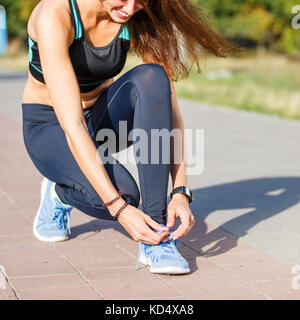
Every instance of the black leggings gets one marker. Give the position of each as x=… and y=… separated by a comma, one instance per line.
x=142, y=98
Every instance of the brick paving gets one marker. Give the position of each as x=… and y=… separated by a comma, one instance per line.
x=98, y=262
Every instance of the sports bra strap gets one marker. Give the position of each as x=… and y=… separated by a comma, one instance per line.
x=76, y=19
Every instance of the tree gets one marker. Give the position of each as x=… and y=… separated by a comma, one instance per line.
x=266, y=22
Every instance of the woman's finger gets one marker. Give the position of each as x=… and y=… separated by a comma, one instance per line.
x=155, y=225
x=182, y=229
x=171, y=218
x=153, y=237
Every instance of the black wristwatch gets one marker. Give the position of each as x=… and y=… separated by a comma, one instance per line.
x=186, y=191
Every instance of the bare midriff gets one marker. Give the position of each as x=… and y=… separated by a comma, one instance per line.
x=37, y=92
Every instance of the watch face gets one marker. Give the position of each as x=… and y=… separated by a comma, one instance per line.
x=185, y=190
x=190, y=193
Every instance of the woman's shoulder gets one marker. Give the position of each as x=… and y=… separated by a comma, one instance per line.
x=57, y=11
x=53, y=4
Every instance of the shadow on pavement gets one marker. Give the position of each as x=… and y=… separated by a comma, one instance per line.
x=264, y=198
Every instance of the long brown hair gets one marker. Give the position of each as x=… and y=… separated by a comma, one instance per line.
x=174, y=33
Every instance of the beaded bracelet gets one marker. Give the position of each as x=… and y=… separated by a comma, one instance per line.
x=120, y=193
x=120, y=210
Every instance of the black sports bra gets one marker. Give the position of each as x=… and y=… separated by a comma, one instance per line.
x=92, y=65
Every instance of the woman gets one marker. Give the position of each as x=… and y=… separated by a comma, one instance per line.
x=76, y=47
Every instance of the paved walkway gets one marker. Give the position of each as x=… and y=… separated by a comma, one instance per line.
x=244, y=245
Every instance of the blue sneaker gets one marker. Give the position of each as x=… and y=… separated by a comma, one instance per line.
x=163, y=258
x=53, y=216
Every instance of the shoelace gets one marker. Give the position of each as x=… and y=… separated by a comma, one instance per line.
x=166, y=247
x=60, y=217
x=163, y=247
x=67, y=214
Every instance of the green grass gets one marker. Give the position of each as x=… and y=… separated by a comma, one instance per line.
x=267, y=83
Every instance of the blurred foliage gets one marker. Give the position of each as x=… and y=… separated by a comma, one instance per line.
x=264, y=22
x=18, y=13
x=259, y=22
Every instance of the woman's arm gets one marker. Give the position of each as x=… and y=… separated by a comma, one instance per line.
x=179, y=204
x=177, y=170
x=53, y=30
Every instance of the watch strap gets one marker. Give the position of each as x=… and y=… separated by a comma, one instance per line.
x=184, y=190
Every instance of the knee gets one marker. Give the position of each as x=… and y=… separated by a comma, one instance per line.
x=151, y=76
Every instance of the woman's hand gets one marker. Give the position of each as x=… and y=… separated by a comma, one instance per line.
x=179, y=207
x=138, y=224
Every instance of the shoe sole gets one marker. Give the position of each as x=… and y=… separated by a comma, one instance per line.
x=34, y=229
x=166, y=270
